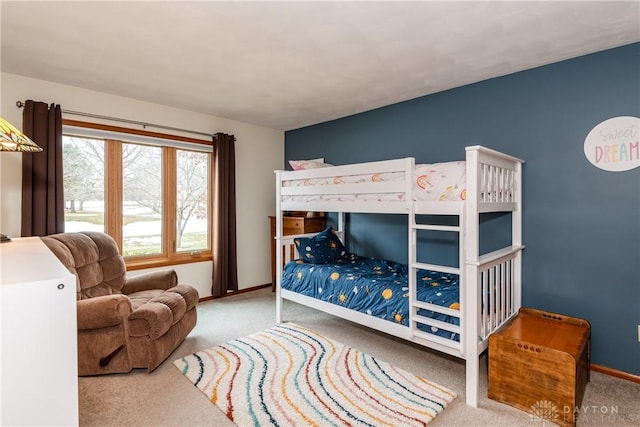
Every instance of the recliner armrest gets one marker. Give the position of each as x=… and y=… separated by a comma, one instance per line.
x=103, y=311
x=163, y=279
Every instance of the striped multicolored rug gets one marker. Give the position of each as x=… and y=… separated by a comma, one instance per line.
x=291, y=376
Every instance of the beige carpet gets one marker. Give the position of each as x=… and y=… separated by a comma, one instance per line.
x=166, y=398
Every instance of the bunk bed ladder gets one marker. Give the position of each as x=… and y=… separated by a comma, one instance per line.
x=415, y=318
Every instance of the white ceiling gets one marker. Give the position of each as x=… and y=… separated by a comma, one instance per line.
x=286, y=65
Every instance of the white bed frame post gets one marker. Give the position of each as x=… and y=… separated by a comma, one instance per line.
x=412, y=239
x=516, y=236
x=471, y=317
x=278, y=238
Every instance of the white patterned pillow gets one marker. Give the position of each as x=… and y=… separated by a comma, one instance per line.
x=308, y=164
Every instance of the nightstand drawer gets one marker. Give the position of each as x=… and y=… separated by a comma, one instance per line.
x=292, y=226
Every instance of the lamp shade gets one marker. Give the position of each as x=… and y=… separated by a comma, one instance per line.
x=11, y=139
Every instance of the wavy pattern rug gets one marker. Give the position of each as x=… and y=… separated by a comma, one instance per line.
x=291, y=376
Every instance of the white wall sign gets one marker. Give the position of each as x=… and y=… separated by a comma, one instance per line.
x=613, y=144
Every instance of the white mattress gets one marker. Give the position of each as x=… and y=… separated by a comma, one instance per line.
x=431, y=182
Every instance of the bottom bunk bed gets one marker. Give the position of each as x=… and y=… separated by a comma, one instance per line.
x=376, y=288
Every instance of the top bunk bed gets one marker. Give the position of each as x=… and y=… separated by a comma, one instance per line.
x=486, y=178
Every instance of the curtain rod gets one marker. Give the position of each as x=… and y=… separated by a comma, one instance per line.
x=144, y=125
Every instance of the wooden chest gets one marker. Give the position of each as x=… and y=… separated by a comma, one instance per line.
x=539, y=363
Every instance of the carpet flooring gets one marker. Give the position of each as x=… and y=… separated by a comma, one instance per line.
x=165, y=398
x=289, y=375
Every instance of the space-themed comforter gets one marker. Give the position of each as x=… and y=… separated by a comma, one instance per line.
x=376, y=287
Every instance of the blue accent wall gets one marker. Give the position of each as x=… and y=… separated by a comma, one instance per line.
x=581, y=223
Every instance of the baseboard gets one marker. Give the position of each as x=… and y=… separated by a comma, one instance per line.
x=241, y=291
x=615, y=373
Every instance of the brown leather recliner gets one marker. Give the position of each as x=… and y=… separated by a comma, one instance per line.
x=123, y=322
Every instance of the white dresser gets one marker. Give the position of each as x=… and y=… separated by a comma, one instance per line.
x=39, y=368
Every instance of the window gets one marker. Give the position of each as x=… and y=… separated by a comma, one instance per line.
x=83, y=166
x=151, y=194
x=192, y=211
x=141, y=200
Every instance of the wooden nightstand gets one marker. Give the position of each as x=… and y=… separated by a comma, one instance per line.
x=293, y=225
x=539, y=363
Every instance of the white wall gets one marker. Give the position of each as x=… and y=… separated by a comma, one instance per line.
x=259, y=151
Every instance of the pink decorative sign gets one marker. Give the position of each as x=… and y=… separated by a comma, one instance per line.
x=613, y=144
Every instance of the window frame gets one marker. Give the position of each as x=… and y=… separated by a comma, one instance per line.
x=113, y=220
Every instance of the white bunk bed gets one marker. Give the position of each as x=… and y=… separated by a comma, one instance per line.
x=490, y=284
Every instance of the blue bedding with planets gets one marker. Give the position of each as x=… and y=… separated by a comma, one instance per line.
x=376, y=287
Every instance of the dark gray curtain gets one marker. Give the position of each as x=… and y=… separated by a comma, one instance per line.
x=42, y=186
x=225, y=263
